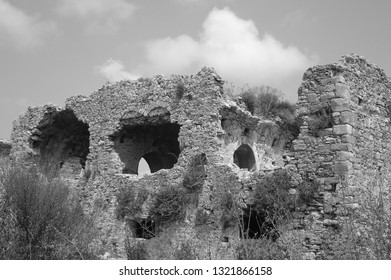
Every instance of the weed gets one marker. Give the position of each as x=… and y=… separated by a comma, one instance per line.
x=40, y=220
x=319, y=121
x=195, y=176
x=169, y=204
x=201, y=217
x=136, y=251
x=128, y=202
x=180, y=90
x=185, y=251
x=307, y=190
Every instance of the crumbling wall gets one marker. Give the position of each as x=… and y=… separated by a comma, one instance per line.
x=96, y=142
x=344, y=135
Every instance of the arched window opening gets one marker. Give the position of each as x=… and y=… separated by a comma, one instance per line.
x=244, y=157
x=147, y=148
x=160, y=160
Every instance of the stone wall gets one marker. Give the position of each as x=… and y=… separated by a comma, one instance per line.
x=96, y=143
x=345, y=108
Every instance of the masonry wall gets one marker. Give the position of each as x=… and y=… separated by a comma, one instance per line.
x=96, y=142
x=344, y=137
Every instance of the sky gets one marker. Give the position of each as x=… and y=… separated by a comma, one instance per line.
x=53, y=49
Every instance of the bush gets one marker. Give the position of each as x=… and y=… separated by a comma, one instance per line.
x=365, y=232
x=128, y=202
x=185, y=251
x=265, y=101
x=137, y=251
x=39, y=219
x=195, y=176
x=229, y=216
x=320, y=120
x=180, y=90
x=272, y=199
x=169, y=204
x=201, y=217
x=261, y=249
x=308, y=190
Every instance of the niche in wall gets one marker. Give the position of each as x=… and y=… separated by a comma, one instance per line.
x=244, y=157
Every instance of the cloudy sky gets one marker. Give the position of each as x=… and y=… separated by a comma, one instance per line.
x=53, y=49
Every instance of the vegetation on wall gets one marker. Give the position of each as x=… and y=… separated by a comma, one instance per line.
x=129, y=202
x=266, y=102
x=169, y=204
x=194, y=178
x=320, y=120
x=365, y=229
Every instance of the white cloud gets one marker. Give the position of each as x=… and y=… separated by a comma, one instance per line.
x=98, y=12
x=232, y=46
x=24, y=30
x=114, y=71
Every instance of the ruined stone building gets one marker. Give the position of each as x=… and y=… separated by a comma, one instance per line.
x=96, y=143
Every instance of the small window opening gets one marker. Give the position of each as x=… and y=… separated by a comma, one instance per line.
x=333, y=187
x=145, y=228
x=244, y=157
x=225, y=239
x=275, y=142
x=246, y=132
x=254, y=225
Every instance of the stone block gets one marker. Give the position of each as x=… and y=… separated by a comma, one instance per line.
x=312, y=97
x=342, y=90
x=327, y=96
x=332, y=80
x=343, y=167
x=342, y=129
x=348, y=117
x=344, y=155
x=340, y=104
x=341, y=147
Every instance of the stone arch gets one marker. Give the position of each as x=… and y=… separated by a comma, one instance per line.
x=159, y=115
x=62, y=142
x=244, y=157
x=157, y=143
x=160, y=160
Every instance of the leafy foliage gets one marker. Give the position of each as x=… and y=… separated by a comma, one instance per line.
x=320, y=120
x=272, y=199
x=307, y=190
x=180, y=90
x=40, y=220
x=195, y=176
x=365, y=231
x=261, y=249
x=265, y=101
x=185, y=251
x=169, y=204
x=128, y=202
x=136, y=251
